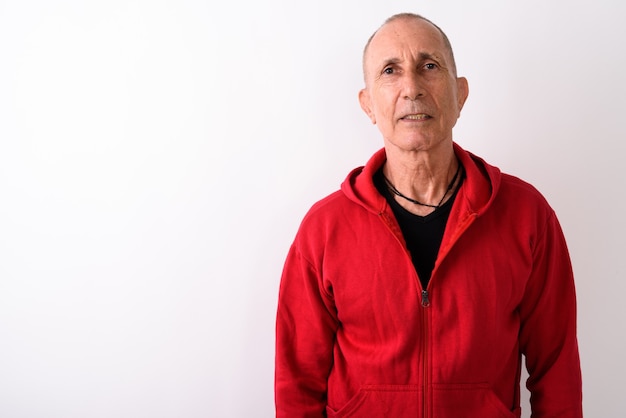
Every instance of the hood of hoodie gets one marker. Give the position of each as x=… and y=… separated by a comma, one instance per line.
x=477, y=193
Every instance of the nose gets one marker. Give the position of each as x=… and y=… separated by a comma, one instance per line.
x=412, y=86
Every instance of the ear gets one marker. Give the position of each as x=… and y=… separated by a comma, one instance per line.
x=366, y=104
x=462, y=91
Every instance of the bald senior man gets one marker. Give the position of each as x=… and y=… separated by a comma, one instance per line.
x=415, y=289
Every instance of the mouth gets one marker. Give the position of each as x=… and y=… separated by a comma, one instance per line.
x=416, y=116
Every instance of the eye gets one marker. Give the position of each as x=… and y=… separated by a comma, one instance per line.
x=430, y=66
x=388, y=70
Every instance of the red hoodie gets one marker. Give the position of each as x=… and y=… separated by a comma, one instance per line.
x=357, y=336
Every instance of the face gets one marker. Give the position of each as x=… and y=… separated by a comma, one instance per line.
x=411, y=92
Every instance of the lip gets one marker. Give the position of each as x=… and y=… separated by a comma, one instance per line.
x=416, y=117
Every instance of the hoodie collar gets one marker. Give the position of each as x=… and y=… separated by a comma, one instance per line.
x=479, y=187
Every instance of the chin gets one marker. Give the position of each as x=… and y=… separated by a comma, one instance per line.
x=412, y=144
x=416, y=143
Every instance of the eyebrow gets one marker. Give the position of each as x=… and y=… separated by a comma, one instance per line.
x=389, y=61
x=423, y=56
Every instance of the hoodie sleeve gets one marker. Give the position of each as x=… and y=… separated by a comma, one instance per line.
x=548, y=329
x=305, y=333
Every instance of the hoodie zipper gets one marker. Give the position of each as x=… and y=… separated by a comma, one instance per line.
x=425, y=334
x=425, y=304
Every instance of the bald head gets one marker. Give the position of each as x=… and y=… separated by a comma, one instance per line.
x=409, y=17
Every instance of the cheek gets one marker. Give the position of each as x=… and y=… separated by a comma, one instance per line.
x=453, y=104
x=384, y=105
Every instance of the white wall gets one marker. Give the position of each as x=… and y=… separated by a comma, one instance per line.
x=156, y=158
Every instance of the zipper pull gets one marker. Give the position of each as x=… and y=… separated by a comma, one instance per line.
x=425, y=300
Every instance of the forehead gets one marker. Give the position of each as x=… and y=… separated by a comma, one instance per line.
x=405, y=37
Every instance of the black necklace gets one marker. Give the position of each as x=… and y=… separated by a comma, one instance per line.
x=417, y=202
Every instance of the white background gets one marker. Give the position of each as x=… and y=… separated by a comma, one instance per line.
x=156, y=158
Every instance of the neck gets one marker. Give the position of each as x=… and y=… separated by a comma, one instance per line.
x=425, y=177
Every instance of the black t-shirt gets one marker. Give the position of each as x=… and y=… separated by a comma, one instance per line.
x=423, y=234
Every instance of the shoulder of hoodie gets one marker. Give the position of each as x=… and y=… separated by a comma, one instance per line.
x=328, y=207
x=523, y=194
x=509, y=193
x=320, y=222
